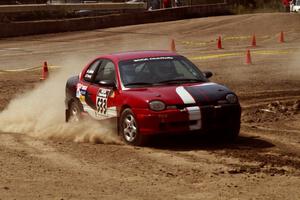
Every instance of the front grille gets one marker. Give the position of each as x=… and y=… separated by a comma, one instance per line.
x=164, y=125
x=212, y=117
x=223, y=116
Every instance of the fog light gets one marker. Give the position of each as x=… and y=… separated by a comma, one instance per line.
x=231, y=98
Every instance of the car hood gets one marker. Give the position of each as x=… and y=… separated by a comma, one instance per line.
x=202, y=94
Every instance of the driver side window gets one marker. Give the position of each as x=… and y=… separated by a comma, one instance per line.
x=184, y=71
x=106, y=71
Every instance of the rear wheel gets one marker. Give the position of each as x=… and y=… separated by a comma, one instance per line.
x=129, y=129
x=74, y=112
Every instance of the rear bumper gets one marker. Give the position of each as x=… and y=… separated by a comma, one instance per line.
x=202, y=119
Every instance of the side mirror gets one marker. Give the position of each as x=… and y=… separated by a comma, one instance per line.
x=207, y=74
x=108, y=83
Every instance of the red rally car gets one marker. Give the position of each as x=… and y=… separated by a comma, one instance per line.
x=152, y=92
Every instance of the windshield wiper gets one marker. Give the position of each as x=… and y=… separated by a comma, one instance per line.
x=138, y=83
x=182, y=80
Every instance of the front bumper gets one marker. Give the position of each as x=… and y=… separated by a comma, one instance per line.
x=194, y=118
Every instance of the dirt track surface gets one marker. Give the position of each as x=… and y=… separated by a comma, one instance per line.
x=264, y=162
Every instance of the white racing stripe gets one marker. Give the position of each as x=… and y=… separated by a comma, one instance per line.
x=194, y=112
x=185, y=95
x=205, y=84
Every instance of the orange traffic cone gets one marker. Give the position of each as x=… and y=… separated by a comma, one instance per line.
x=281, y=37
x=248, y=57
x=45, y=71
x=253, y=44
x=172, y=45
x=219, y=44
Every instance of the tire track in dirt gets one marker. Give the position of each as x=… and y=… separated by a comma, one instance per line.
x=39, y=149
x=285, y=139
x=278, y=137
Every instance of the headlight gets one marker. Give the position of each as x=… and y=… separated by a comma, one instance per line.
x=231, y=98
x=157, y=105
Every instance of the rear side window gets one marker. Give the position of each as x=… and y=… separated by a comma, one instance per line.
x=90, y=73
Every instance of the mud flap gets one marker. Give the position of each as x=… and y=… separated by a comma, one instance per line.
x=67, y=115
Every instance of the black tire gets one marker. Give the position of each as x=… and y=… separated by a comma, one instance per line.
x=129, y=129
x=74, y=112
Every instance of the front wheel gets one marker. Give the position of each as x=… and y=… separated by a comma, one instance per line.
x=129, y=129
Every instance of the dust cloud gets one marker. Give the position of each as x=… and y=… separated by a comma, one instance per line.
x=41, y=113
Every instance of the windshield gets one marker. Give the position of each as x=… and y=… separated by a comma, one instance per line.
x=159, y=70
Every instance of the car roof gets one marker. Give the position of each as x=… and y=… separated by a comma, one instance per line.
x=129, y=55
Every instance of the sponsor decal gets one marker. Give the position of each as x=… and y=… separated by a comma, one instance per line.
x=154, y=58
x=88, y=76
x=102, y=109
x=78, y=90
x=89, y=73
x=81, y=92
x=101, y=101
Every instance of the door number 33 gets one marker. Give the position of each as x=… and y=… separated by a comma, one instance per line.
x=101, y=102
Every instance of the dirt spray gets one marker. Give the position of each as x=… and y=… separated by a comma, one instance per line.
x=41, y=113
